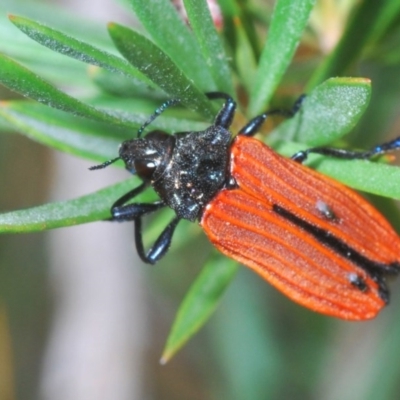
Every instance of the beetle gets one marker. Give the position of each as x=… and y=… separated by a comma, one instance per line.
x=314, y=239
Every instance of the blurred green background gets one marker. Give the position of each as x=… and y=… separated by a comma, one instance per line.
x=82, y=318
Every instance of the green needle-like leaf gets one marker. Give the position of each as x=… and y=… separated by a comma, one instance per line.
x=92, y=207
x=21, y=80
x=171, y=35
x=67, y=45
x=199, y=303
x=210, y=43
x=61, y=131
x=50, y=65
x=245, y=60
x=287, y=25
x=329, y=112
x=83, y=138
x=156, y=65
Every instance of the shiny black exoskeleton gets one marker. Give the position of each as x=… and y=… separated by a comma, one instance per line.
x=189, y=168
x=186, y=169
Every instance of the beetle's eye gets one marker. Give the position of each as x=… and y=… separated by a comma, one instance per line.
x=145, y=168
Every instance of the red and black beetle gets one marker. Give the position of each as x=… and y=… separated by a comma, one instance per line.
x=314, y=239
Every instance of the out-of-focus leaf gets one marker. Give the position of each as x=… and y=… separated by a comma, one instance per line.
x=245, y=61
x=171, y=35
x=199, y=303
x=210, y=44
x=124, y=88
x=374, y=17
x=287, y=25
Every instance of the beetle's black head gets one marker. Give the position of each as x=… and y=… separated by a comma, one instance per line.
x=149, y=156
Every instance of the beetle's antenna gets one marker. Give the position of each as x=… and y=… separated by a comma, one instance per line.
x=156, y=113
x=105, y=164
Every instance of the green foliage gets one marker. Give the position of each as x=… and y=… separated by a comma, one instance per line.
x=200, y=302
x=287, y=25
x=147, y=57
x=170, y=60
x=88, y=208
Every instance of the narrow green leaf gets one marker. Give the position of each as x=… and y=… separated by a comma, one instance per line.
x=370, y=177
x=124, y=88
x=374, y=383
x=210, y=43
x=56, y=68
x=93, y=207
x=169, y=32
x=288, y=22
x=138, y=110
x=61, y=131
x=244, y=333
x=373, y=17
x=247, y=21
x=199, y=303
x=329, y=112
x=245, y=61
x=367, y=176
x=154, y=63
x=389, y=14
x=68, y=20
x=240, y=28
x=78, y=136
x=230, y=8
x=21, y=80
x=69, y=46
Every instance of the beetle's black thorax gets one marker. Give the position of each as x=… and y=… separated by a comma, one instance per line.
x=186, y=169
x=196, y=171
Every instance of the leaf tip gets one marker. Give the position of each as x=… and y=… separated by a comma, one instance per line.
x=166, y=356
x=17, y=20
x=93, y=70
x=172, y=346
x=349, y=80
x=365, y=81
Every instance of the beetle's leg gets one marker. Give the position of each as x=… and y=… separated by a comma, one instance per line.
x=225, y=117
x=135, y=212
x=394, y=144
x=128, y=196
x=253, y=126
x=161, y=245
x=131, y=212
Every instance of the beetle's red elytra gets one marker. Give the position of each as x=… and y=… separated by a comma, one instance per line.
x=314, y=239
x=245, y=224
